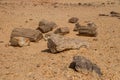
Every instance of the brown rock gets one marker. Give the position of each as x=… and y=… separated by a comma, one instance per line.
x=57, y=43
x=46, y=26
x=62, y=30
x=73, y=20
x=33, y=35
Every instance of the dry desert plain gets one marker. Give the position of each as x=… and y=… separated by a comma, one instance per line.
x=33, y=63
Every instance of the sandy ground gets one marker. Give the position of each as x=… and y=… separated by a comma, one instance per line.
x=32, y=63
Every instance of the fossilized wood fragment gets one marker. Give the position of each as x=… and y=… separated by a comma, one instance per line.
x=86, y=30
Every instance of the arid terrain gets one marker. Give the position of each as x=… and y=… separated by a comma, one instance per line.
x=33, y=63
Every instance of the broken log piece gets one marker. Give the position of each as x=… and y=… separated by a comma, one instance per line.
x=58, y=43
x=81, y=64
x=19, y=41
x=33, y=35
x=46, y=26
x=62, y=30
x=88, y=31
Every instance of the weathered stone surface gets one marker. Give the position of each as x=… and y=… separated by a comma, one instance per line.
x=46, y=26
x=88, y=29
x=33, y=35
x=57, y=43
x=62, y=30
x=73, y=20
x=81, y=64
x=19, y=41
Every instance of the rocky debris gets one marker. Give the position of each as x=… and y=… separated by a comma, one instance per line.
x=89, y=29
x=111, y=14
x=62, y=30
x=58, y=43
x=81, y=64
x=19, y=41
x=114, y=14
x=73, y=20
x=33, y=35
x=46, y=26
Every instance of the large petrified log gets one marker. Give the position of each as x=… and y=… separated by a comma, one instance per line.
x=57, y=43
x=81, y=64
x=33, y=35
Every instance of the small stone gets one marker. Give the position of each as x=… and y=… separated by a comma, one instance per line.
x=38, y=65
x=73, y=20
x=26, y=21
x=79, y=4
x=46, y=26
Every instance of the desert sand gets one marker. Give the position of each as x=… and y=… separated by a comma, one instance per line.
x=34, y=63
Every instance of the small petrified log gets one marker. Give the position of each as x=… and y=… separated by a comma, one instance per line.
x=88, y=31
